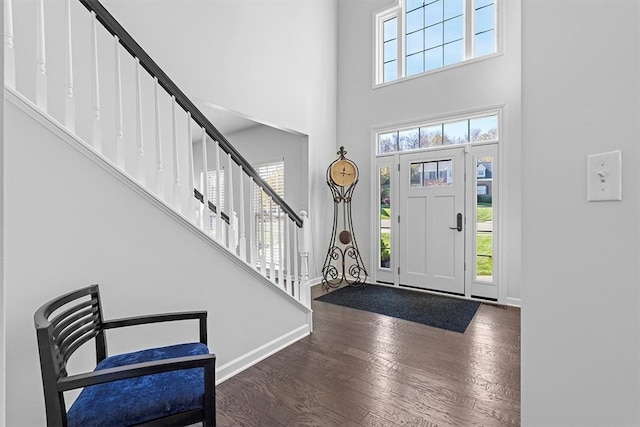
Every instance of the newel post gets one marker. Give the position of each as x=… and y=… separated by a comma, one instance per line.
x=304, y=238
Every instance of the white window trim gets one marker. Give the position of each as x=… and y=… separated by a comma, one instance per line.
x=378, y=46
x=446, y=118
x=397, y=11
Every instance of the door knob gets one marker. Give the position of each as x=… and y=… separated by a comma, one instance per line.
x=458, y=223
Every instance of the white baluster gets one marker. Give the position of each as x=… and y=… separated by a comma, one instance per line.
x=140, y=167
x=263, y=236
x=305, y=242
x=119, y=143
x=287, y=246
x=159, y=184
x=69, y=103
x=206, y=213
x=219, y=222
x=280, y=253
x=177, y=200
x=41, y=61
x=9, y=51
x=190, y=202
x=230, y=206
x=272, y=264
x=253, y=219
x=296, y=280
x=243, y=237
x=235, y=229
x=96, y=135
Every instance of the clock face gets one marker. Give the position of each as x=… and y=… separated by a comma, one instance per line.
x=343, y=173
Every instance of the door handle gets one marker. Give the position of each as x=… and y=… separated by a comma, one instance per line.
x=458, y=223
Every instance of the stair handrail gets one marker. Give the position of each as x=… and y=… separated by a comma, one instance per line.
x=126, y=40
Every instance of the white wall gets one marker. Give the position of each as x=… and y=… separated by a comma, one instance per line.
x=2, y=304
x=580, y=315
x=488, y=83
x=69, y=223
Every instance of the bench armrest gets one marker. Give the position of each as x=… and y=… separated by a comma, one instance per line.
x=201, y=316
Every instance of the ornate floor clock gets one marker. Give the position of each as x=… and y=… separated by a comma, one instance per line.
x=343, y=263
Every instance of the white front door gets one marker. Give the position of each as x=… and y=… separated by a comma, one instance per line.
x=432, y=222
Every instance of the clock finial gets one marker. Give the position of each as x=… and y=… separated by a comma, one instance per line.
x=342, y=152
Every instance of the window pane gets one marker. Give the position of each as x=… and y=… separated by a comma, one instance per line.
x=415, y=64
x=388, y=142
x=431, y=136
x=385, y=245
x=273, y=174
x=483, y=3
x=433, y=58
x=433, y=36
x=485, y=43
x=484, y=19
x=484, y=257
x=413, y=4
x=445, y=172
x=456, y=132
x=414, y=21
x=430, y=173
x=483, y=129
x=416, y=175
x=390, y=71
x=453, y=29
x=390, y=29
x=385, y=217
x=453, y=8
x=484, y=219
x=415, y=42
x=390, y=51
x=433, y=13
x=453, y=52
x=212, y=177
x=409, y=139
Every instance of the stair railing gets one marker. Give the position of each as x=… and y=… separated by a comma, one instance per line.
x=220, y=198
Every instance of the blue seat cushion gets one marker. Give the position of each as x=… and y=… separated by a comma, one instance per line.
x=140, y=399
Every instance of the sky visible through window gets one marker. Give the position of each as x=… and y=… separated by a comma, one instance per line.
x=433, y=35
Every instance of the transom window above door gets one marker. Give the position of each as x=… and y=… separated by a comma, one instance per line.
x=419, y=36
x=483, y=128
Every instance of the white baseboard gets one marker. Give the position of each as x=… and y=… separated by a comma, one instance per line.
x=514, y=302
x=249, y=359
x=314, y=282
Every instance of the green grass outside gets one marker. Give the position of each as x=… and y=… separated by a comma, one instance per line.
x=485, y=213
x=385, y=237
x=484, y=265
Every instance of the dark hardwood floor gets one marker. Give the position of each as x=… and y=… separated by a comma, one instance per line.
x=365, y=369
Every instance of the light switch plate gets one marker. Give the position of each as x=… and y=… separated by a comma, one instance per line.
x=604, y=176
